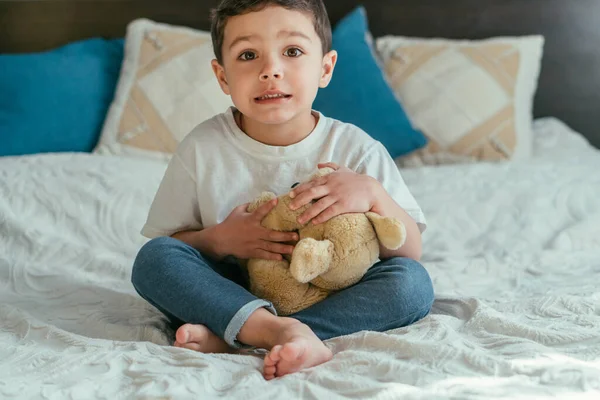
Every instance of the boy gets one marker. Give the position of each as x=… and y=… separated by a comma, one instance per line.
x=271, y=57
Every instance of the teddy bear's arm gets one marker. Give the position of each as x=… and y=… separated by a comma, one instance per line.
x=391, y=232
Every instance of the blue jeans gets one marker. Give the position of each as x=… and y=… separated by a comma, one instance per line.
x=189, y=287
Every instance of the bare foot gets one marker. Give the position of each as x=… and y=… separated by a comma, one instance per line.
x=200, y=338
x=298, y=348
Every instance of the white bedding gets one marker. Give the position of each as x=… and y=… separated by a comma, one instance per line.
x=513, y=249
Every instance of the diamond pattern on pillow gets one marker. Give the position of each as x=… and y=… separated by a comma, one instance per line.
x=472, y=99
x=166, y=89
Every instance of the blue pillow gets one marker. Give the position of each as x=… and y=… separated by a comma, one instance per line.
x=56, y=101
x=359, y=93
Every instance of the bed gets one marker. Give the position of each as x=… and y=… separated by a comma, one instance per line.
x=512, y=246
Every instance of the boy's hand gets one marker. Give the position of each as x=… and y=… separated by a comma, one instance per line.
x=342, y=191
x=242, y=235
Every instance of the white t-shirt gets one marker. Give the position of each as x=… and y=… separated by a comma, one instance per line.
x=217, y=167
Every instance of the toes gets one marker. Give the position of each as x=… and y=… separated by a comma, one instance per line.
x=269, y=372
x=198, y=333
x=183, y=335
x=270, y=363
x=192, y=346
x=193, y=333
x=273, y=357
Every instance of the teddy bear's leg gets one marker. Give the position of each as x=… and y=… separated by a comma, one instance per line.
x=310, y=259
x=260, y=200
x=391, y=232
x=271, y=280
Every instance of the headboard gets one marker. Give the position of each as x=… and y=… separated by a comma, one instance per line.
x=569, y=86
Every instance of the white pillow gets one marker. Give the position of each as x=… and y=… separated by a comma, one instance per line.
x=473, y=99
x=165, y=89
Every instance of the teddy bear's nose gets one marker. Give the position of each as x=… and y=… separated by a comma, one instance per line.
x=295, y=184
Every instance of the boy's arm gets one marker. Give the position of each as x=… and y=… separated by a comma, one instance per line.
x=203, y=240
x=241, y=235
x=385, y=206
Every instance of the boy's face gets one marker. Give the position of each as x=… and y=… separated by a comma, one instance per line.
x=273, y=64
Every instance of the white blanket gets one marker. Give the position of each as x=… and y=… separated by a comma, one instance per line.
x=513, y=249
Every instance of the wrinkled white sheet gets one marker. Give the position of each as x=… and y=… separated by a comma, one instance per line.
x=513, y=249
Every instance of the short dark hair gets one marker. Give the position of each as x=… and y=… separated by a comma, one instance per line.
x=231, y=8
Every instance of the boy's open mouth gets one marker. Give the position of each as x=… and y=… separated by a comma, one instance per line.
x=276, y=96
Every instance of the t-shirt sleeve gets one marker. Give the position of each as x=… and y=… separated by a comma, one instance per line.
x=379, y=165
x=175, y=205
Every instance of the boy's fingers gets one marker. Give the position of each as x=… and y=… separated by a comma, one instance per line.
x=315, y=192
x=277, y=248
x=264, y=209
x=328, y=164
x=307, y=185
x=276, y=236
x=266, y=255
x=316, y=209
x=329, y=213
x=241, y=208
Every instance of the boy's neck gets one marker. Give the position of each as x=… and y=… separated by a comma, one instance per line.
x=284, y=134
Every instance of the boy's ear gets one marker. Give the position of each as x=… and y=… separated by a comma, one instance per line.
x=220, y=74
x=329, y=61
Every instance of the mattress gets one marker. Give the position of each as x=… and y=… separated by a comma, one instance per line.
x=513, y=250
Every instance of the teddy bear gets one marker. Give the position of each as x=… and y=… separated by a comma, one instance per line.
x=327, y=257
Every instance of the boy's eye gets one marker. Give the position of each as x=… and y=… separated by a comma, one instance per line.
x=293, y=52
x=247, y=56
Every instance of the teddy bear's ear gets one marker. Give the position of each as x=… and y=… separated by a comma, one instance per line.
x=321, y=172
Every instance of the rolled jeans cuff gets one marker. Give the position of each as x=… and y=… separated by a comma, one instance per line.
x=240, y=318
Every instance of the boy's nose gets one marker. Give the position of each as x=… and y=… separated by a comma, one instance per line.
x=271, y=70
x=270, y=75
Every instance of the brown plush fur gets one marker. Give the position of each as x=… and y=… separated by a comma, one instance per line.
x=328, y=257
